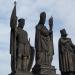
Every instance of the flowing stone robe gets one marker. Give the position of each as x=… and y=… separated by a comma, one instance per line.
x=22, y=50
x=66, y=55
x=44, y=49
x=22, y=53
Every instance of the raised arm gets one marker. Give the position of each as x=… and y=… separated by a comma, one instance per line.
x=51, y=23
x=51, y=33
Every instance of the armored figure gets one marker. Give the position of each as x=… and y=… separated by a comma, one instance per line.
x=44, y=42
x=20, y=49
x=66, y=54
x=23, y=47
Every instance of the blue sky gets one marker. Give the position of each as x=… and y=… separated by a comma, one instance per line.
x=64, y=17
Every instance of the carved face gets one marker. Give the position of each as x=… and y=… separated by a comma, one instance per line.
x=42, y=17
x=63, y=33
x=21, y=23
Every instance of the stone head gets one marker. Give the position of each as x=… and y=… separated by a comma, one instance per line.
x=63, y=33
x=21, y=22
x=42, y=18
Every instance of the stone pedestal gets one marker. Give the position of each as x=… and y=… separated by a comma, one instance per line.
x=46, y=70
x=22, y=73
x=43, y=70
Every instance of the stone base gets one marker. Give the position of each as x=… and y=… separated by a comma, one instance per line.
x=46, y=70
x=22, y=73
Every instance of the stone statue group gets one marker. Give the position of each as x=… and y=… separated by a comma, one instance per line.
x=22, y=53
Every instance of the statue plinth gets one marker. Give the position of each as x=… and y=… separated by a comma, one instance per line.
x=22, y=73
x=46, y=70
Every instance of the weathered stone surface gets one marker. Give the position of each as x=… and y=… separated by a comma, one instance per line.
x=66, y=54
x=44, y=42
x=22, y=73
x=22, y=53
x=44, y=45
x=46, y=70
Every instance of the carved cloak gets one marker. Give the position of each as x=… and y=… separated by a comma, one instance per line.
x=44, y=49
x=66, y=55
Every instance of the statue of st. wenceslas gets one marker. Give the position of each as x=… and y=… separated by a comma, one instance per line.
x=44, y=41
x=20, y=48
x=66, y=54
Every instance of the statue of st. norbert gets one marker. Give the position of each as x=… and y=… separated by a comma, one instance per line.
x=66, y=54
x=20, y=48
x=44, y=41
